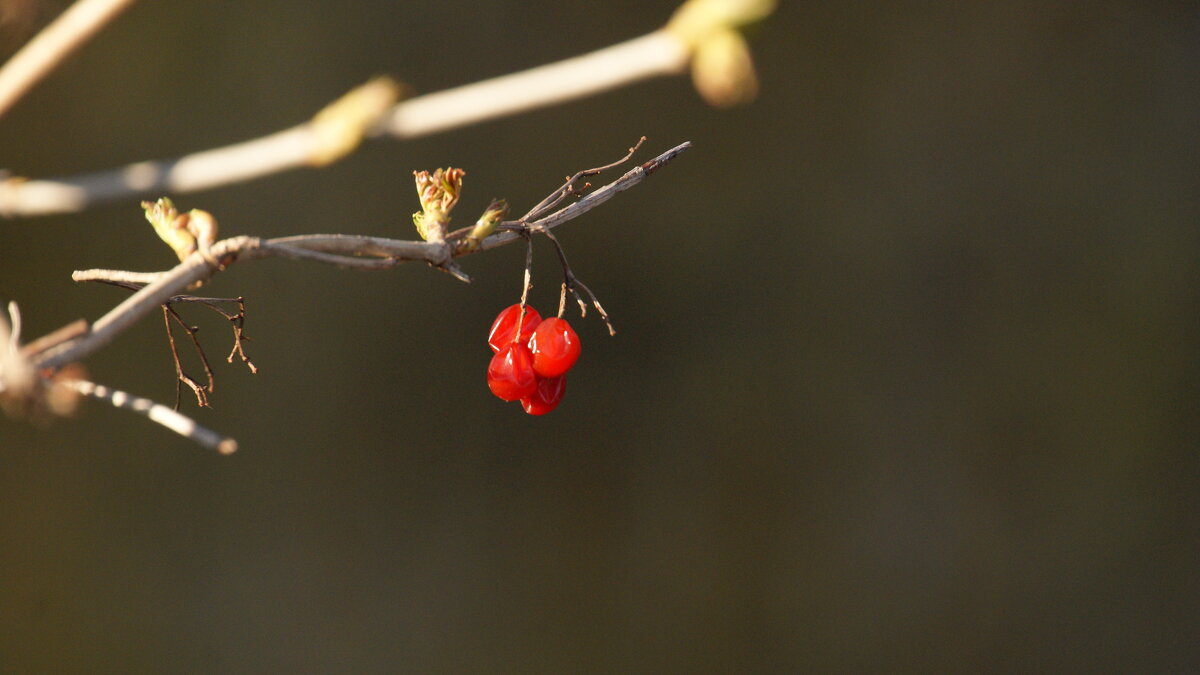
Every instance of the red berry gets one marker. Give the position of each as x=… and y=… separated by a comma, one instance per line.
x=545, y=398
x=504, y=328
x=555, y=347
x=510, y=374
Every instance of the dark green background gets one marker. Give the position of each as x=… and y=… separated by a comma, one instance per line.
x=906, y=376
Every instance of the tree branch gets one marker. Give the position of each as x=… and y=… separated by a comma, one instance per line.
x=48, y=48
x=657, y=54
x=171, y=419
x=338, y=249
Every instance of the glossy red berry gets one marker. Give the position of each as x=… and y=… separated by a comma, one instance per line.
x=545, y=398
x=510, y=374
x=504, y=328
x=555, y=347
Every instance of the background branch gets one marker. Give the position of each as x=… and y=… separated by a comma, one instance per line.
x=157, y=412
x=659, y=53
x=50, y=47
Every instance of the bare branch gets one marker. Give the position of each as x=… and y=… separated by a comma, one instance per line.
x=181, y=376
x=47, y=49
x=179, y=423
x=341, y=250
x=657, y=54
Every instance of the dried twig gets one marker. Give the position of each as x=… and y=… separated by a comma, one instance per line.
x=526, y=283
x=237, y=323
x=568, y=188
x=47, y=49
x=181, y=377
x=572, y=283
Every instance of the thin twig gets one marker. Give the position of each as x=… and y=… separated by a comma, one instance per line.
x=568, y=188
x=526, y=284
x=181, y=376
x=570, y=282
x=196, y=268
x=587, y=202
x=47, y=49
x=237, y=323
x=180, y=424
x=657, y=54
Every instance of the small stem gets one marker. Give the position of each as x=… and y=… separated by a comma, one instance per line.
x=175, y=360
x=570, y=282
x=208, y=371
x=528, y=283
x=236, y=321
x=181, y=377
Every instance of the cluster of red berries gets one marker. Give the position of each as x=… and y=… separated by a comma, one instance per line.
x=531, y=366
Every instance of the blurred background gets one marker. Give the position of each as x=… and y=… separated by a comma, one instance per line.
x=905, y=376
